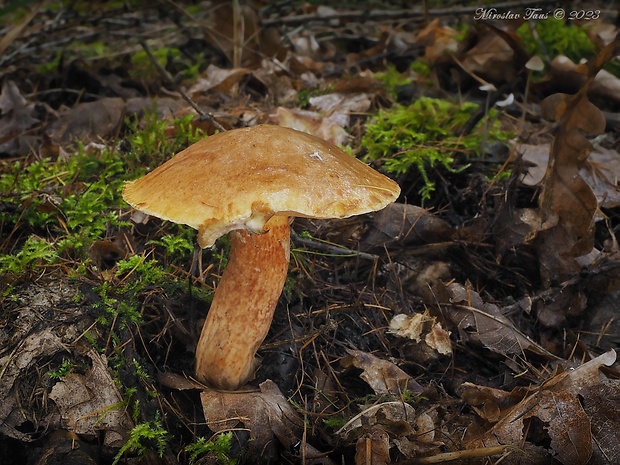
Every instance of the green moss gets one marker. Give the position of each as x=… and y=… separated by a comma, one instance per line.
x=34, y=252
x=558, y=38
x=149, y=435
x=218, y=447
x=421, y=68
x=392, y=79
x=424, y=136
x=63, y=370
x=62, y=206
x=171, y=59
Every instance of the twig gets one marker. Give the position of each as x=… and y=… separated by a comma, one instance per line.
x=331, y=249
x=203, y=115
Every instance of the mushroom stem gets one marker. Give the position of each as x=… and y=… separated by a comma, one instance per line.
x=243, y=305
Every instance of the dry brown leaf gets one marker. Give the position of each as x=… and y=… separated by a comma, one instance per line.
x=16, y=116
x=383, y=377
x=422, y=327
x=484, y=323
x=267, y=414
x=601, y=171
x=438, y=40
x=15, y=364
x=491, y=58
x=373, y=448
x=218, y=79
x=91, y=403
x=400, y=225
x=236, y=33
x=605, y=85
x=88, y=122
x=312, y=122
x=330, y=119
x=566, y=203
x=411, y=432
x=396, y=417
x=563, y=418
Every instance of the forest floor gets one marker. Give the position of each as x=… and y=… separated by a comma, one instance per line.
x=474, y=320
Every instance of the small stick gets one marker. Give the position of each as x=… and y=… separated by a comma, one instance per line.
x=332, y=249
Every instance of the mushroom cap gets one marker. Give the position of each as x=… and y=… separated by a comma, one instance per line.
x=239, y=179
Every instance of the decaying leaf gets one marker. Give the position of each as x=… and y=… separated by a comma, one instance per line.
x=312, y=123
x=485, y=324
x=88, y=122
x=568, y=418
x=571, y=77
x=492, y=57
x=422, y=327
x=601, y=171
x=384, y=377
x=397, y=417
x=438, y=40
x=218, y=80
x=15, y=364
x=373, y=448
x=267, y=415
x=16, y=116
x=331, y=117
x=411, y=432
x=567, y=204
x=401, y=225
x=92, y=403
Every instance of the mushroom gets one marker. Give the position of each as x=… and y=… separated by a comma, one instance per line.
x=249, y=183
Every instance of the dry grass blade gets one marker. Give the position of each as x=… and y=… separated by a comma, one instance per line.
x=17, y=30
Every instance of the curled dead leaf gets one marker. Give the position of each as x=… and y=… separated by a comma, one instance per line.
x=484, y=323
x=565, y=194
x=384, y=377
x=422, y=327
x=395, y=416
x=266, y=414
x=563, y=418
x=91, y=403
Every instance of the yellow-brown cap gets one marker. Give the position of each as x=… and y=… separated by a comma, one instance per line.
x=240, y=178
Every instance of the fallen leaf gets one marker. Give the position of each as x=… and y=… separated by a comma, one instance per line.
x=266, y=414
x=384, y=377
x=484, y=323
x=568, y=417
x=404, y=225
x=330, y=119
x=422, y=327
x=567, y=204
x=88, y=122
x=395, y=416
x=373, y=448
x=491, y=58
x=218, y=79
x=571, y=77
x=411, y=432
x=16, y=364
x=91, y=403
x=437, y=40
x=601, y=171
x=16, y=116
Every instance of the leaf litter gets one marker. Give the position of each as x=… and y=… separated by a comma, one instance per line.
x=480, y=326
